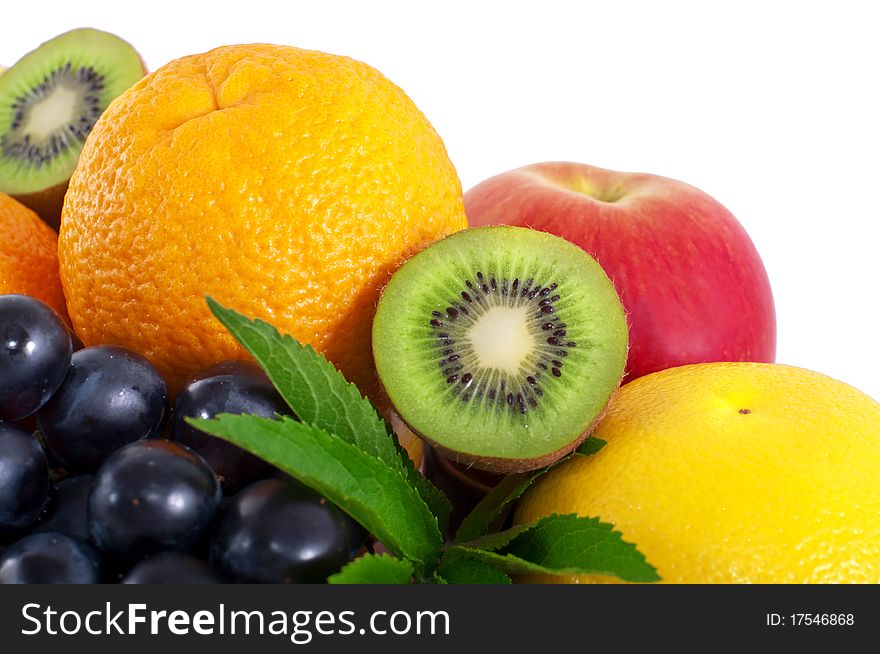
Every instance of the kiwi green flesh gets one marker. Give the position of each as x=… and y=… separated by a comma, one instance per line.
x=501, y=346
x=50, y=100
x=507, y=466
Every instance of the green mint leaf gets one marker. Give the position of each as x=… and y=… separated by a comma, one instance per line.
x=374, y=569
x=437, y=579
x=491, y=511
x=562, y=544
x=459, y=569
x=321, y=396
x=370, y=491
x=590, y=446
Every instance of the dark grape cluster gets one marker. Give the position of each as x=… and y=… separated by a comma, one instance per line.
x=114, y=486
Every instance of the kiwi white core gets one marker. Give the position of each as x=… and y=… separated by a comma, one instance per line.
x=501, y=338
x=500, y=345
x=52, y=112
x=49, y=102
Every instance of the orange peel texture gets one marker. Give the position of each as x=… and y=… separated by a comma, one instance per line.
x=287, y=184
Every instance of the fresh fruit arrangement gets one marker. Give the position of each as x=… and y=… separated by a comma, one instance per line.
x=264, y=259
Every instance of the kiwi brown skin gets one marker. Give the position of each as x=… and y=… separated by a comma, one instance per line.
x=47, y=203
x=506, y=466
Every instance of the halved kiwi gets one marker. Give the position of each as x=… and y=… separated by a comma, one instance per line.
x=501, y=346
x=49, y=102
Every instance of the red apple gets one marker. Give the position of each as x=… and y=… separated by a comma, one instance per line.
x=688, y=274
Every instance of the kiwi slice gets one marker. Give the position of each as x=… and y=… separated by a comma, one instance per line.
x=49, y=102
x=501, y=346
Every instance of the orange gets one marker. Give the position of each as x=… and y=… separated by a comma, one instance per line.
x=287, y=184
x=28, y=255
x=733, y=472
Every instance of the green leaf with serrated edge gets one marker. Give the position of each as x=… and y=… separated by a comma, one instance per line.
x=590, y=446
x=321, y=396
x=491, y=511
x=562, y=544
x=374, y=569
x=437, y=579
x=458, y=569
x=370, y=491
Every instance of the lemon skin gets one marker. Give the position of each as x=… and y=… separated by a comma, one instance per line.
x=732, y=472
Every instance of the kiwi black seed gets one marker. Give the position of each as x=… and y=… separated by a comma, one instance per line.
x=49, y=102
x=501, y=346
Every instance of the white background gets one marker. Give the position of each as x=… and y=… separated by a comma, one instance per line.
x=771, y=107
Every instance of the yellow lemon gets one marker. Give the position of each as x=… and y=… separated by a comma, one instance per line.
x=732, y=472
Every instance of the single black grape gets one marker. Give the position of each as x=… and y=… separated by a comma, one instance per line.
x=67, y=510
x=111, y=397
x=172, y=568
x=358, y=535
x=24, y=478
x=152, y=496
x=277, y=531
x=232, y=387
x=35, y=350
x=50, y=558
